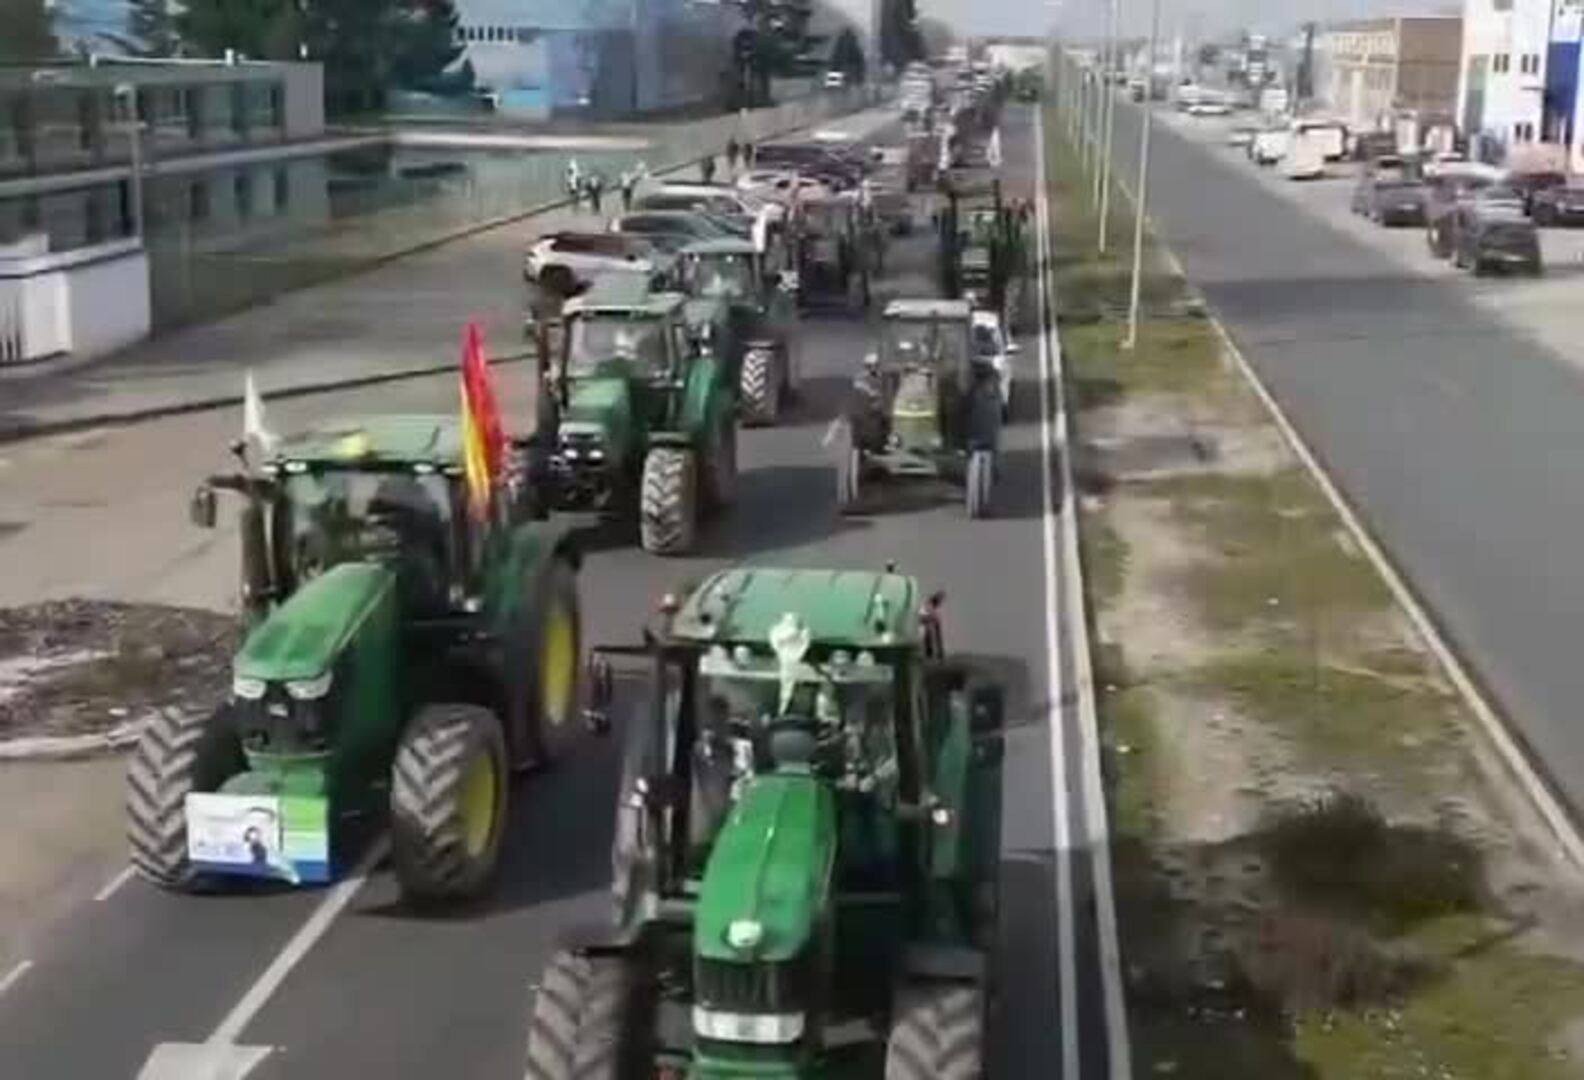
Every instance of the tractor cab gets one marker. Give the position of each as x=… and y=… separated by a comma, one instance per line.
x=828, y=250
x=807, y=826
x=760, y=317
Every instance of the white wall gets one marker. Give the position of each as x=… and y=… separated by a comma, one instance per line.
x=83, y=303
x=1513, y=96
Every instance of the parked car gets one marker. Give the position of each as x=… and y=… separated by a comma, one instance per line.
x=1305, y=158
x=992, y=344
x=835, y=80
x=1559, y=205
x=1494, y=233
x=1329, y=136
x=1269, y=146
x=565, y=261
x=680, y=226
x=1529, y=184
x=1444, y=191
x=1389, y=197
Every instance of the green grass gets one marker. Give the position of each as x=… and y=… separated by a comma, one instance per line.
x=1336, y=718
x=1105, y=559
x=1127, y=718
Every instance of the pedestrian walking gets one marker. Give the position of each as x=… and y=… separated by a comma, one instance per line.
x=707, y=168
x=574, y=181
x=731, y=154
x=596, y=191
x=748, y=154
x=629, y=181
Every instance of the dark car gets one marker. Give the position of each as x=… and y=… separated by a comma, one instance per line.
x=1559, y=205
x=1528, y=185
x=1492, y=234
x=1389, y=197
x=1442, y=195
x=1370, y=145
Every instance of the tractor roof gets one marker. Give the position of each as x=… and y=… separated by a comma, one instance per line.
x=388, y=440
x=720, y=246
x=623, y=294
x=928, y=309
x=842, y=608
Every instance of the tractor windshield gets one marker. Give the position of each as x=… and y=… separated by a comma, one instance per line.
x=346, y=512
x=932, y=343
x=753, y=690
x=730, y=277
x=600, y=339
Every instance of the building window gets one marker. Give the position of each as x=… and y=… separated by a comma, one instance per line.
x=1523, y=132
x=1529, y=63
x=1499, y=63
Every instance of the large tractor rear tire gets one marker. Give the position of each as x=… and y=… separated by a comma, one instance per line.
x=587, y=1020
x=448, y=802
x=760, y=388
x=668, y=503
x=937, y=1033
x=177, y=753
x=547, y=642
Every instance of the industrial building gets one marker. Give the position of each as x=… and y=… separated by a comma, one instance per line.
x=1374, y=71
x=1519, y=78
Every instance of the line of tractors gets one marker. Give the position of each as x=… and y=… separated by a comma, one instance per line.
x=804, y=860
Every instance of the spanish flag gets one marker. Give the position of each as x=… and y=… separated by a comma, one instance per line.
x=483, y=442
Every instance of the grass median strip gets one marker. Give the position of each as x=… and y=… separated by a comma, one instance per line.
x=1318, y=873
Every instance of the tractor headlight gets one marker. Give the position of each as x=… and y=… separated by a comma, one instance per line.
x=309, y=689
x=764, y=1028
x=247, y=689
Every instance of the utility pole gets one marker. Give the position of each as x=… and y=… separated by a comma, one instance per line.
x=1114, y=17
x=1145, y=124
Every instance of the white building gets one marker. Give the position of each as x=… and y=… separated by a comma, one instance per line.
x=1518, y=83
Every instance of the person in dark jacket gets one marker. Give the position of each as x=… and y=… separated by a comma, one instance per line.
x=707, y=168
x=731, y=153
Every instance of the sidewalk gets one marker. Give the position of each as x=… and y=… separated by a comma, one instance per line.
x=400, y=319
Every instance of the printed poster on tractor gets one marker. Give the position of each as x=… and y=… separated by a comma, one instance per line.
x=279, y=838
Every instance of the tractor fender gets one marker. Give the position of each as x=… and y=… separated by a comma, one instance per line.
x=944, y=963
x=703, y=401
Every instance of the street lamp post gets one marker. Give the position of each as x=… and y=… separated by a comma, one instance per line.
x=1145, y=124
x=1114, y=17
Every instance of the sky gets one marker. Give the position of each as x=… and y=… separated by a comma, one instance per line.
x=978, y=17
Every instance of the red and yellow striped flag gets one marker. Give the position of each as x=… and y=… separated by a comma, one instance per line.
x=483, y=442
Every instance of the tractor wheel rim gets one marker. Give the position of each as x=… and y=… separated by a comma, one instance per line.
x=478, y=802
x=556, y=660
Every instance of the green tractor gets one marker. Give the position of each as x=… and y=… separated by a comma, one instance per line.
x=926, y=406
x=637, y=416
x=830, y=257
x=982, y=242
x=400, y=661
x=763, y=316
x=806, y=847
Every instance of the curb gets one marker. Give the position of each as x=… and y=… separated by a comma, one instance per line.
x=71, y=747
x=24, y=431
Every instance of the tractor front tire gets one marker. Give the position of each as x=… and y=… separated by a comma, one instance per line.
x=668, y=502
x=548, y=643
x=448, y=803
x=586, y=1021
x=760, y=388
x=177, y=753
x=937, y=1033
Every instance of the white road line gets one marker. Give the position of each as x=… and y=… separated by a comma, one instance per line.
x=1119, y=1051
x=1066, y=934
x=14, y=976
x=293, y=951
x=113, y=886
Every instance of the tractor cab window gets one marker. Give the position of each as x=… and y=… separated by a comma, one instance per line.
x=987, y=340
x=345, y=513
x=597, y=340
x=931, y=343
x=730, y=277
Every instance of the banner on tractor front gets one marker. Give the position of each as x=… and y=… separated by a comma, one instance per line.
x=275, y=837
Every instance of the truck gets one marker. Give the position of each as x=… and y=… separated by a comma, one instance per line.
x=1305, y=157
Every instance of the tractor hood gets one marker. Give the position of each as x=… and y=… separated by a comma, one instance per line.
x=769, y=873
x=302, y=638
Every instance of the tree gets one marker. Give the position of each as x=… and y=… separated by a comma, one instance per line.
x=27, y=31
x=847, y=56
x=151, y=29
x=427, y=44
x=936, y=36
x=900, y=43
x=259, y=29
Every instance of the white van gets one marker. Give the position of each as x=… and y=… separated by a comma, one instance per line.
x=1329, y=135
x=1305, y=158
x=1269, y=146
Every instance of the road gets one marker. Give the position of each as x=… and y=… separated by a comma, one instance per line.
x=383, y=992
x=1456, y=436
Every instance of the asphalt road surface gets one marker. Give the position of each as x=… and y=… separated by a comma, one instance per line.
x=1457, y=438
x=382, y=992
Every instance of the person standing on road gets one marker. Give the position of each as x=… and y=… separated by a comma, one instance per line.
x=747, y=154
x=707, y=168
x=731, y=154
x=574, y=182
x=629, y=181
x=596, y=190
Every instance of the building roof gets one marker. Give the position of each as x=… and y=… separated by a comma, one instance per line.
x=928, y=309
x=842, y=608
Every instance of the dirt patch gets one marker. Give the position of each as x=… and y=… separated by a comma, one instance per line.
x=1317, y=873
x=75, y=667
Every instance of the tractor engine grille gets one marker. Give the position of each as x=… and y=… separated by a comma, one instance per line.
x=767, y=987
x=915, y=418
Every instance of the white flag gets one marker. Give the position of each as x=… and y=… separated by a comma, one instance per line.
x=994, y=151
x=254, y=427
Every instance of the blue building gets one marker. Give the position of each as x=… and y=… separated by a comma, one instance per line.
x=600, y=57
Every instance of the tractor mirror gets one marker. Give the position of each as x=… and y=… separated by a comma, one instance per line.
x=987, y=710
x=201, y=511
